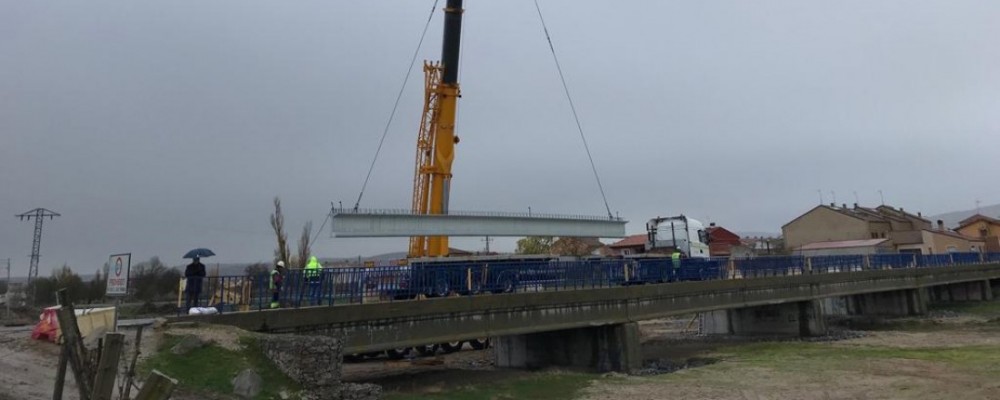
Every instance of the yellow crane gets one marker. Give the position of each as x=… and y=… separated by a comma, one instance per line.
x=436, y=140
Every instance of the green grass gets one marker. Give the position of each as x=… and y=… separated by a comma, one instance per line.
x=211, y=369
x=548, y=386
x=799, y=356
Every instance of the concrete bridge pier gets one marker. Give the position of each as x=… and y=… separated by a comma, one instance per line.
x=802, y=318
x=966, y=291
x=897, y=303
x=603, y=348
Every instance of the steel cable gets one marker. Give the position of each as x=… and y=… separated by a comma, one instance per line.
x=395, y=105
x=572, y=107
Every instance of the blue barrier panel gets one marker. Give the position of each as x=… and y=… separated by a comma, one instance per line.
x=652, y=270
x=891, y=261
x=770, y=266
x=965, y=258
x=933, y=260
x=991, y=257
x=834, y=264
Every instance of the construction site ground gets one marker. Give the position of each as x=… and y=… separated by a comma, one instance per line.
x=953, y=352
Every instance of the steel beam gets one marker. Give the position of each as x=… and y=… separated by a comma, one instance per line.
x=390, y=223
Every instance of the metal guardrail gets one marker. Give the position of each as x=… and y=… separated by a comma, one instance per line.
x=357, y=285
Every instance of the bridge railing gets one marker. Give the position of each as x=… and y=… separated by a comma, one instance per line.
x=355, y=285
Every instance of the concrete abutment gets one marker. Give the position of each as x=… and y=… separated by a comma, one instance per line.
x=802, y=318
x=896, y=303
x=602, y=348
x=966, y=291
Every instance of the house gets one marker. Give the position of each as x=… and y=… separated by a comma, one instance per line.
x=846, y=247
x=630, y=245
x=983, y=228
x=721, y=241
x=829, y=223
x=904, y=231
x=942, y=241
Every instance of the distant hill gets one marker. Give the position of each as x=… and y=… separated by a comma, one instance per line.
x=951, y=219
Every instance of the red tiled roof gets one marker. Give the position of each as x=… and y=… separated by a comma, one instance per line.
x=969, y=221
x=631, y=241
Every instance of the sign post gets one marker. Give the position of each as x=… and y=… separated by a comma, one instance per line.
x=117, y=283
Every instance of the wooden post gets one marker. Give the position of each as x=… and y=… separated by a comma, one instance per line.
x=157, y=387
x=107, y=370
x=126, y=389
x=73, y=344
x=57, y=390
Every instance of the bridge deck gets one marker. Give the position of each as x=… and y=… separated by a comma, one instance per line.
x=372, y=327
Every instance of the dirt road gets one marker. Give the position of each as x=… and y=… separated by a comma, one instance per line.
x=29, y=367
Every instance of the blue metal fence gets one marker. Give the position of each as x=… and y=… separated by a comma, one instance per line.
x=354, y=285
x=834, y=264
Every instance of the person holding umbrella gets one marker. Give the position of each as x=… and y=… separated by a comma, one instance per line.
x=193, y=274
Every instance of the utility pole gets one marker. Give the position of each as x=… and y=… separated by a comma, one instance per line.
x=6, y=294
x=488, y=240
x=38, y=215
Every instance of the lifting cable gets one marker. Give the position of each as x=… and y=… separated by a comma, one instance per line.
x=573, y=108
x=396, y=104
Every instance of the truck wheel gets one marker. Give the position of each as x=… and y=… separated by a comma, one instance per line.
x=353, y=358
x=397, y=354
x=480, y=344
x=427, y=350
x=451, y=347
x=507, y=284
x=442, y=288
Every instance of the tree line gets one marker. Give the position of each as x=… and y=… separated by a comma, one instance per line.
x=148, y=281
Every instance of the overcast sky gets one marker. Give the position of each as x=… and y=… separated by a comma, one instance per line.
x=158, y=126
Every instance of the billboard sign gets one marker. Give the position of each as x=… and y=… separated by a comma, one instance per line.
x=118, y=274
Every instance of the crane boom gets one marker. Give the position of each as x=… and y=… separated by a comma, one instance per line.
x=436, y=139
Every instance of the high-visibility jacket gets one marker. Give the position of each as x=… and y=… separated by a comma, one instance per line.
x=275, y=280
x=676, y=259
x=313, y=268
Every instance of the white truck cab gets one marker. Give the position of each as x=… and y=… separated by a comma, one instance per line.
x=681, y=233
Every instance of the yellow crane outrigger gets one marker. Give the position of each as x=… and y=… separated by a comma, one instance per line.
x=436, y=140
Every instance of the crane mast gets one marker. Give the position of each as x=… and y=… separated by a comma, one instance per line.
x=436, y=139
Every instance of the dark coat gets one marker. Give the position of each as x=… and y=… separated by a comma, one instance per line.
x=194, y=272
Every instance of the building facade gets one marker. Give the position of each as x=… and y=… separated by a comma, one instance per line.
x=827, y=225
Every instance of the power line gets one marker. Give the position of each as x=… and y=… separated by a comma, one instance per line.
x=395, y=105
x=572, y=107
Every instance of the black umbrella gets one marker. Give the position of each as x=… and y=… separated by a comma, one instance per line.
x=200, y=252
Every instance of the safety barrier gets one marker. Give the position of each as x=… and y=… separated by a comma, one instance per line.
x=355, y=285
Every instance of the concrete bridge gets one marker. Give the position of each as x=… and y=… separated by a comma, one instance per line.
x=597, y=328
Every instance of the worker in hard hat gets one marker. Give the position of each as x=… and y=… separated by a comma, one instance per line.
x=314, y=275
x=277, y=276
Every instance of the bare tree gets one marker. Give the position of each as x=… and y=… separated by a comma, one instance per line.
x=278, y=224
x=304, y=243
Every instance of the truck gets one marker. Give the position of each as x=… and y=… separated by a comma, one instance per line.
x=680, y=233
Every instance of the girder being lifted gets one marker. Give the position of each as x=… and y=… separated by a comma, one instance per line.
x=396, y=223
